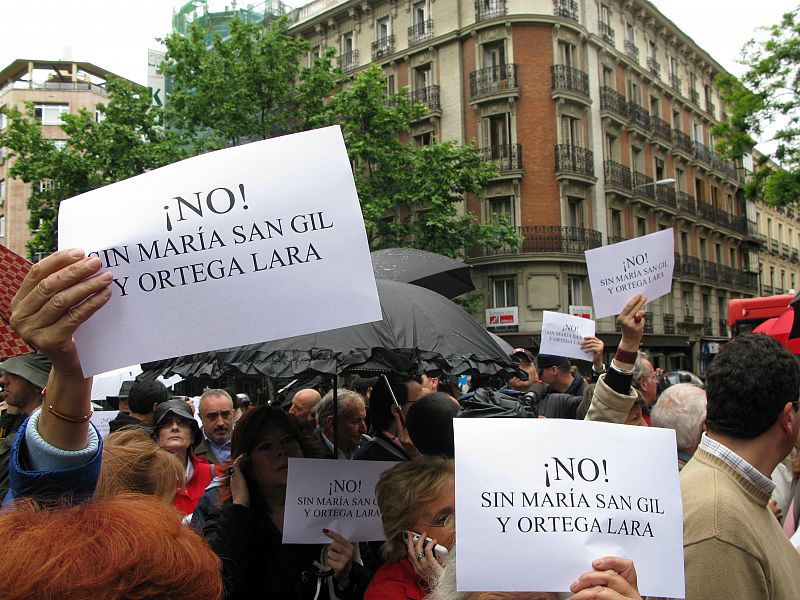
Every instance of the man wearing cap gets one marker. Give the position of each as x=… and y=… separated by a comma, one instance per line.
x=143, y=397
x=176, y=431
x=555, y=372
x=23, y=379
x=524, y=358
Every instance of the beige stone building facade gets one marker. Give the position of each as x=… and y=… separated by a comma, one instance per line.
x=55, y=88
x=598, y=114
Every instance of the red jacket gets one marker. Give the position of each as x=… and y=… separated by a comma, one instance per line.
x=186, y=499
x=396, y=581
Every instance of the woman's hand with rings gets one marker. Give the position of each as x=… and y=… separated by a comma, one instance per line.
x=613, y=579
x=339, y=556
x=422, y=557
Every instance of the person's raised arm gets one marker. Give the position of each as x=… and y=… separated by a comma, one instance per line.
x=59, y=294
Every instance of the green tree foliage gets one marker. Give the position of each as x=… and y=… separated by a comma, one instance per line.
x=128, y=141
x=246, y=87
x=767, y=97
x=410, y=196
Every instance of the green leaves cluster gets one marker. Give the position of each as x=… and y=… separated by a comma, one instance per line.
x=767, y=96
x=251, y=86
x=126, y=142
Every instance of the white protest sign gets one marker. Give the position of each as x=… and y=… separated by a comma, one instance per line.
x=332, y=494
x=253, y=243
x=562, y=335
x=639, y=266
x=101, y=419
x=538, y=499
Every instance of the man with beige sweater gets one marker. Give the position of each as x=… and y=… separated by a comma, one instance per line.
x=733, y=545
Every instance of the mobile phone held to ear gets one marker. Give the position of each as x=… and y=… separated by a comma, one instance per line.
x=439, y=551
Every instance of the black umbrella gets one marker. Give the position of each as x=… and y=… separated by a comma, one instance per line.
x=420, y=330
x=433, y=271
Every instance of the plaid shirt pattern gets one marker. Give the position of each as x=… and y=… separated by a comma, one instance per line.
x=738, y=464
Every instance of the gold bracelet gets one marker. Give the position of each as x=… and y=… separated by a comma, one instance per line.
x=68, y=418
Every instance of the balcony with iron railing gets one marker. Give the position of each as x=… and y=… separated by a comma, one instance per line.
x=726, y=275
x=686, y=203
x=639, y=116
x=795, y=257
x=695, y=96
x=669, y=323
x=706, y=211
x=489, y=9
x=666, y=196
x=643, y=185
x=774, y=248
x=566, y=8
x=687, y=265
x=682, y=142
x=675, y=81
x=617, y=175
x=786, y=252
x=382, y=47
x=653, y=66
x=632, y=50
x=574, y=160
x=661, y=129
x=348, y=61
x=570, y=79
x=613, y=102
x=701, y=152
x=429, y=96
x=420, y=32
x=493, y=80
x=507, y=157
x=708, y=270
x=746, y=280
x=616, y=239
x=606, y=32
x=538, y=239
x=710, y=108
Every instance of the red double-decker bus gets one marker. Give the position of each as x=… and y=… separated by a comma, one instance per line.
x=745, y=314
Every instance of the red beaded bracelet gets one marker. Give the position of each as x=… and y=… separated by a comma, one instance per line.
x=625, y=356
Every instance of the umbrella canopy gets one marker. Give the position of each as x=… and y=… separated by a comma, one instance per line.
x=13, y=269
x=442, y=274
x=780, y=328
x=420, y=330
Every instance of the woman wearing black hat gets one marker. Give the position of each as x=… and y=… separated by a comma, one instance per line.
x=177, y=432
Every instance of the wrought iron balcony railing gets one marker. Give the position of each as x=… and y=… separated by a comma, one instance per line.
x=653, y=66
x=606, y=31
x=675, y=81
x=574, y=159
x=682, y=142
x=348, y=61
x=382, y=47
x=687, y=265
x=617, y=174
x=643, y=185
x=632, y=50
x=613, y=101
x=666, y=196
x=710, y=107
x=701, y=152
x=566, y=8
x=547, y=239
x=489, y=9
x=686, y=203
x=639, y=115
x=420, y=32
x=429, y=96
x=695, y=96
x=507, y=157
x=660, y=128
x=493, y=79
x=570, y=79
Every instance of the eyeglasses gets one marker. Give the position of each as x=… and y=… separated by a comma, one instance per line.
x=445, y=521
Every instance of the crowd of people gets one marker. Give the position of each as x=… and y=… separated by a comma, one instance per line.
x=187, y=499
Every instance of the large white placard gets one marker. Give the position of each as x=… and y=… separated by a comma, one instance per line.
x=332, y=494
x=562, y=335
x=538, y=499
x=618, y=272
x=253, y=243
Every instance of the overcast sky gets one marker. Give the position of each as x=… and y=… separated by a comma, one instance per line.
x=115, y=35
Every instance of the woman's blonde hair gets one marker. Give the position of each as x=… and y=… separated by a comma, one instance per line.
x=133, y=463
x=402, y=493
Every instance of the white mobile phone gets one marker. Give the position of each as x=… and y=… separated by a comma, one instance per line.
x=439, y=551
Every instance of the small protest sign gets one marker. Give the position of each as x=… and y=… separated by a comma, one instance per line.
x=332, y=494
x=253, y=243
x=101, y=419
x=554, y=494
x=562, y=335
x=618, y=272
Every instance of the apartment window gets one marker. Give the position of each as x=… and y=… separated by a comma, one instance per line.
x=630, y=32
x=659, y=163
x=383, y=29
x=423, y=77
x=697, y=132
x=423, y=139
x=729, y=205
x=313, y=55
x=608, y=78
x=2, y=226
x=651, y=49
x=688, y=301
x=655, y=106
x=612, y=147
x=567, y=54
x=501, y=206
x=676, y=120
x=769, y=227
x=571, y=131
x=634, y=92
x=575, y=290
x=616, y=224
x=772, y=277
x=50, y=114
x=698, y=189
x=504, y=292
x=605, y=14
x=497, y=130
x=732, y=257
x=575, y=212
x=348, y=43
x=684, y=243
x=641, y=226
x=494, y=54
x=680, y=179
x=718, y=253
x=666, y=304
x=673, y=66
x=637, y=159
x=780, y=232
x=693, y=82
x=420, y=13
x=2, y=188
x=715, y=196
x=43, y=185
x=783, y=281
x=389, y=79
